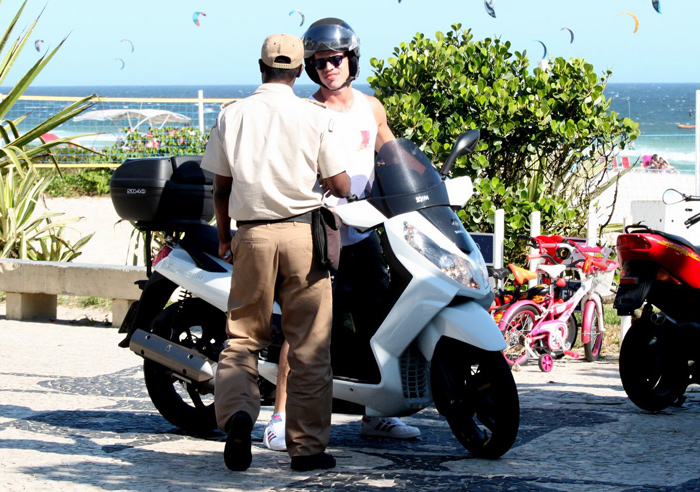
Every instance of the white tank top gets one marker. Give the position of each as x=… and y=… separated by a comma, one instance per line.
x=360, y=126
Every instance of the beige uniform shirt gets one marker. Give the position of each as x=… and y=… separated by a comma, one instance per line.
x=273, y=144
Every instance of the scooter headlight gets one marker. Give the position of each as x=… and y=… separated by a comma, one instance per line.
x=457, y=266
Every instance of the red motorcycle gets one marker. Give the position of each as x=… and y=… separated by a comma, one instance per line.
x=660, y=275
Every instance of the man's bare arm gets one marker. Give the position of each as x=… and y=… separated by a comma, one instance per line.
x=222, y=193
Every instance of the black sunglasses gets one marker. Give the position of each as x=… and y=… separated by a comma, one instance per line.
x=336, y=60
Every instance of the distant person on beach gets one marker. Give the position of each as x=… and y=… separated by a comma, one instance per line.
x=654, y=162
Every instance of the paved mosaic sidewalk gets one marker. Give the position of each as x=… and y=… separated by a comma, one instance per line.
x=75, y=415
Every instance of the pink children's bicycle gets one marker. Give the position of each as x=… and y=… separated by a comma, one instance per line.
x=541, y=330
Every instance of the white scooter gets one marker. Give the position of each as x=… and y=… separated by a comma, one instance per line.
x=437, y=343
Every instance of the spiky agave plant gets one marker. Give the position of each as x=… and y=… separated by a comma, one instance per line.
x=21, y=234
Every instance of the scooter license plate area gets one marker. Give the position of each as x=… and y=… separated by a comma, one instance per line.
x=630, y=297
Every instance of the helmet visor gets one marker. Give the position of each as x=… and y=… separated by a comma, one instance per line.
x=329, y=37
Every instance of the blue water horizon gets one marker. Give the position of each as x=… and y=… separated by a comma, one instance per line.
x=658, y=108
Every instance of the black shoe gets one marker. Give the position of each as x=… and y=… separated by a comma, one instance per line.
x=320, y=461
x=237, y=455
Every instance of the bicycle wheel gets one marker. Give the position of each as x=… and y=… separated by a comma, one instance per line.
x=593, y=347
x=518, y=325
x=570, y=340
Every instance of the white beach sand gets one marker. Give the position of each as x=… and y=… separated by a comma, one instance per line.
x=112, y=242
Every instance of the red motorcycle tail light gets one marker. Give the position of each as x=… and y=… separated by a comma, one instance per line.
x=163, y=253
x=664, y=276
x=632, y=241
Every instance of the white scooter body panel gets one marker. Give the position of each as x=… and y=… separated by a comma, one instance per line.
x=213, y=287
x=459, y=190
x=361, y=214
x=466, y=322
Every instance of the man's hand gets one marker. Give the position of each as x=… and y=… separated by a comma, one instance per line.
x=225, y=251
x=324, y=186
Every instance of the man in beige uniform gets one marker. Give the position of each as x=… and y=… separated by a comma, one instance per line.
x=266, y=152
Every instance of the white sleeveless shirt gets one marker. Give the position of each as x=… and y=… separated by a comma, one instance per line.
x=360, y=127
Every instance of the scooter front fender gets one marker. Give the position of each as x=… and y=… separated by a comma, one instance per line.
x=469, y=323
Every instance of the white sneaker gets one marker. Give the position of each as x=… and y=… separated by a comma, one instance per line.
x=273, y=437
x=392, y=427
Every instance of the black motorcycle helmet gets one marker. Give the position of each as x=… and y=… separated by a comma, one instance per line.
x=331, y=34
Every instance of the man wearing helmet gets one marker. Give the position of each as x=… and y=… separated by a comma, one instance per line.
x=331, y=58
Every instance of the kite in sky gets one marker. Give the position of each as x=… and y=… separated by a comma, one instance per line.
x=570, y=32
x=300, y=13
x=544, y=55
x=636, y=21
x=196, y=16
x=656, y=5
x=38, y=43
x=120, y=60
x=130, y=43
x=488, y=5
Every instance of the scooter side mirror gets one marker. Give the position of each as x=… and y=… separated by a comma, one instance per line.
x=672, y=196
x=464, y=145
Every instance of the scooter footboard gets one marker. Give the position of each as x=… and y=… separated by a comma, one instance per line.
x=469, y=323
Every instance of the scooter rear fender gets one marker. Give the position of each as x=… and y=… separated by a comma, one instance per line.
x=468, y=322
x=156, y=294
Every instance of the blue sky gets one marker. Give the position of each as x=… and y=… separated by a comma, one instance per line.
x=171, y=50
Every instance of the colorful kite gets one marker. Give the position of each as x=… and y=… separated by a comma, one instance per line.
x=570, y=32
x=636, y=21
x=196, y=16
x=302, y=16
x=38, y=43
x=122, y=61
x=656, y=5
x=544, y=55
x=488, y=5
x=130, y=43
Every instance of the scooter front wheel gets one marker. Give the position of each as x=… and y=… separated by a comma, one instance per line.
x=194, y=324
x=474, y=389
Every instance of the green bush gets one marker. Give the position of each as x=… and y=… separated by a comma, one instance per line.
x=543, y=131
x=78, y=182
x=165, y=141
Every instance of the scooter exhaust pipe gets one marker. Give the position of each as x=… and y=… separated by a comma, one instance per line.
x=188, y=363
x=688, y=331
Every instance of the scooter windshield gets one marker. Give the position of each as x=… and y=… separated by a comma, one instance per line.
x=405, y=180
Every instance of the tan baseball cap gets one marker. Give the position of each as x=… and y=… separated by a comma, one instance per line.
x=282, y=45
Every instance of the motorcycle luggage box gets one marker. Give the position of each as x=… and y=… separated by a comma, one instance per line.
x=162, y=189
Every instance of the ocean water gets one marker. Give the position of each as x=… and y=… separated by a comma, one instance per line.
x=658, y=108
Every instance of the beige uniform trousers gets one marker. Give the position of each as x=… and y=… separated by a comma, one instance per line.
x=277, y=259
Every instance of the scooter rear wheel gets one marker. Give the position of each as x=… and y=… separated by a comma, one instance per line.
x=475, y=391
x=191, y=323
x=653, y=375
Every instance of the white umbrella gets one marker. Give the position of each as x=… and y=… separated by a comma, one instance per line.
x=153, y=117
